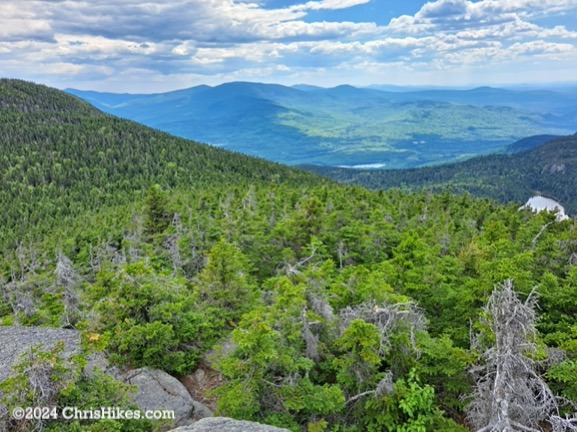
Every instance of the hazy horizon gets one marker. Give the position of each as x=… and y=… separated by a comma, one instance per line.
x=374, y=86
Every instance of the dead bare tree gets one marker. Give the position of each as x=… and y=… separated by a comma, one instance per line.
x=197, y=260
x=387, y=318
x=541, y=231
x=18, y=294
x=290, y=269
x=28, y=259
x=37, y=380
x=107, y=253
x=342, y=253
x=321, y=306
x=134, y=239
x=311, y=340
x=67, y=279
x=171, y=245
x=18, y=291
x=510, y=394
x=384, y=388
x=249, y=202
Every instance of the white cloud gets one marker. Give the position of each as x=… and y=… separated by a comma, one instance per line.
x=18, y=22
x=167, y=41
x=454, y=15
x=462, y=32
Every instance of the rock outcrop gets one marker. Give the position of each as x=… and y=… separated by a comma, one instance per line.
x=16, y=340
x=557, y=168
x=223, y=424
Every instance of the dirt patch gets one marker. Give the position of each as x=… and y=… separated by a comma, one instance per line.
x=201, y=382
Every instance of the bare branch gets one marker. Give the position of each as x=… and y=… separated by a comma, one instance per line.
x=510, y=394
x=387, y=318
x=541, y=231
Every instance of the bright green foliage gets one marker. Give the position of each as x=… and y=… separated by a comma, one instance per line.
x=445, y=366
x=225, y=283
x=318, y=426
x=310, y=399
x=410, y=408
x=147, y=317
x=560, y=309
x=270, y=364
x=5, y=309
x=96, y=391
x=157, y=216
x=564, y=377
x=360, y=359
x=257, y=350
x=252, y=283
x=358, y=284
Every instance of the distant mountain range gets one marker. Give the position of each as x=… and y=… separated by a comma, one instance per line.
x=548, y=169
x=347, y=125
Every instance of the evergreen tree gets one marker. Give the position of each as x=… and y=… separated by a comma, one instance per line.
x=157, y=216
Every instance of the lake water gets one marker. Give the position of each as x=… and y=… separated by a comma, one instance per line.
x=365, y=166
x=540, y=203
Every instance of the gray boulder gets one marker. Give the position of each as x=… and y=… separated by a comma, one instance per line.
x=200, y=410
x=223, y=424
x=156, y=389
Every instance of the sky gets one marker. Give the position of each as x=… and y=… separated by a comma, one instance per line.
x=145, y=47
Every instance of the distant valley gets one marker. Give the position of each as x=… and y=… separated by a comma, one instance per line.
x=348, y=126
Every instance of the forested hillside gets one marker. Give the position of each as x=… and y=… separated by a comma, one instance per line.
x=549, y=169
x=316, y=306
x=60, y=157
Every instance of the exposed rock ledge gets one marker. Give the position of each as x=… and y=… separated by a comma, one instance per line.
x=16, y=340
x=223, y=424
x=155, y=389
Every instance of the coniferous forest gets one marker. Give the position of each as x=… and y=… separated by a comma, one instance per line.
x=547, y=169
x=318, y=306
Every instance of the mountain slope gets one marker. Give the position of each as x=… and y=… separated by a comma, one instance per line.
x=347, y=125
x=528, y=143
x=59, y=156
x=549, y=169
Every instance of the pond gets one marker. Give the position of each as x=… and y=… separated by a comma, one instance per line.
x=540, y=203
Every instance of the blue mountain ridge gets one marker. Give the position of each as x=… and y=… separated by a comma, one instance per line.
x=347, y=125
